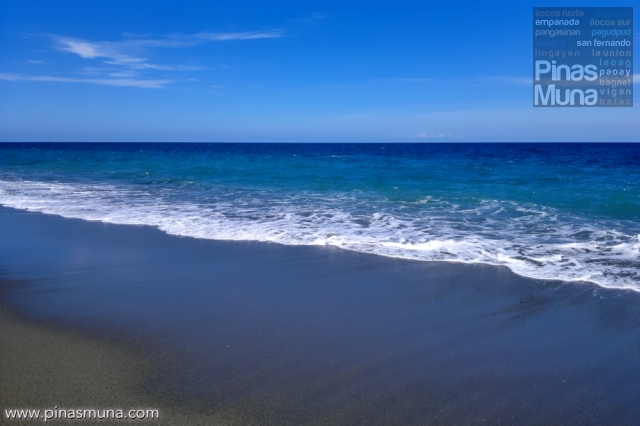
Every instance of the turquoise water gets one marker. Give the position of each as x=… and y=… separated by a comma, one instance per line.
x=553, y=211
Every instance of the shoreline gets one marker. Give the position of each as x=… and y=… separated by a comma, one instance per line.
x=511, y=264
x=310, y=335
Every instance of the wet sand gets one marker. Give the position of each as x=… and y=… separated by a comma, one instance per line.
x=254, y=333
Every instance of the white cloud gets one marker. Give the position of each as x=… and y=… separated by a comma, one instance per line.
x=122, y=74
x=507, y=79
x=312, y=17
x=425, y=135
x=10, y=77
x=236, y=36
x=636, y=78
x=121, y=82
x=414, y=79
x=83, y=49
x=115, y=52
x=131, y=52
x=35, y=62
x=150, y=66
x=127, y=58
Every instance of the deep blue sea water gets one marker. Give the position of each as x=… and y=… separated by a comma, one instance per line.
x=552, y=211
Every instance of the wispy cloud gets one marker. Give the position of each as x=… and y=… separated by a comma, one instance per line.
x=12, y=77
x=215, y=89
x=32, y=61
x=120, y=82
x=312, y=17
x=234, y=36
x=507, y=79
x=123, y=74
x=83, y=48
x=418, y=80
x=126, y=62
x=131, y=52
x=150, y=66
x=425, y=135
x=636, y=78
x=120, y=53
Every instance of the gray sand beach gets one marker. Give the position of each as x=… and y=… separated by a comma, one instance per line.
x=217, y=332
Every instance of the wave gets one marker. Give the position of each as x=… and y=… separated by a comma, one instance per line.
x=531, y=240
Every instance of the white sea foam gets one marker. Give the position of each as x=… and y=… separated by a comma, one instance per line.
x=533, y=241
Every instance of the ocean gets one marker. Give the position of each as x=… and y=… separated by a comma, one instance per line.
x=547, y=211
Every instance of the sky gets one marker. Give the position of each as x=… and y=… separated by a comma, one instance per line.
x=284, y=71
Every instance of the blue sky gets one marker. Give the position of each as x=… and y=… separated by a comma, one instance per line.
x=140, y=70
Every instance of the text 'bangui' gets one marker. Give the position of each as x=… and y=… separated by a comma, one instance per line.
x=583, y=57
